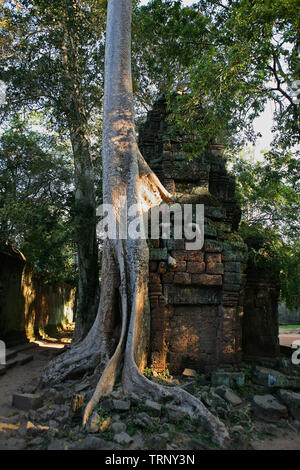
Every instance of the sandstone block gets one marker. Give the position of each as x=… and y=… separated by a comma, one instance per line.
x=182, y=278
x=168, y=277
x=195, y=267
x=121, y=405
x=267, y=408
x=207, y=279
x=214, y=268
x=154, y=407
x=27, y=401
x=292, y=401
x=195, y=255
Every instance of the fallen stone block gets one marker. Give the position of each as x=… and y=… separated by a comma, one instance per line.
x=123, y=438
x=121, y=405
x=27, y=401
x=175, y=413
x=292, y=401
x=228, y=395
x=228, y=378
x=93, y=443
x=267, y=408
x=154, y=407
x=274, y=379
x=118, y=427
x=189, y=373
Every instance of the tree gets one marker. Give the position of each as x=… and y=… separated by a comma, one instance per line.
x=227, y=58
x=268, y=192
x=36, y=173
x=54, y=63
x=126, y=179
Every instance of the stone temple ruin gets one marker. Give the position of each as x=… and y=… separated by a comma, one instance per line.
x=197, y=301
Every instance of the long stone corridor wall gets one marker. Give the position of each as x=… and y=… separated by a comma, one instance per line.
x=28, y=305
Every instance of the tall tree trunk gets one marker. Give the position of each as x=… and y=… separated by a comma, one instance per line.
x=85, y=229
x=85, y=202
x=124, y=299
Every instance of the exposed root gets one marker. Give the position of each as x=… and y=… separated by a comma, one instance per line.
x=142, y=387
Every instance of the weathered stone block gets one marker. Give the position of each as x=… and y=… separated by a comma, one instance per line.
x=232, y=266
x=292, y=401
x=123, y=438
x=195, y=267
x=179, y=255
x=275, y=379
x=154, y=407
x=121, y=405
x=193, y=296
x=228, y=395
x=153, y=266
x=228, y=378
x=182, y=278
x=27, y=401
x=118, y=427
x=194, y=255
x=189, y=373
x=176, y=244
x=158, y=254
x=213, y=246
x=154, y=278
x=162, y=267
x=207, y=279
x=168, y=278
x=232, y=278
x=213, y=258
x=175, y=413
x=214, y=268
x=178, y=266
x=267, y=408
x=155, y=289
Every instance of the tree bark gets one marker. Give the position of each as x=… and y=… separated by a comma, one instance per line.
x=85, y=202
x=124, y=299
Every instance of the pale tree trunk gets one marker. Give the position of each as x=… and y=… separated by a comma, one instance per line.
x=124, y=299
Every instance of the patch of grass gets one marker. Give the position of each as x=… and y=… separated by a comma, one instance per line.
x=103, y=415
x=131, y=429
x=289, y=326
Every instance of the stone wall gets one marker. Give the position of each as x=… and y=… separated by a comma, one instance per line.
x=196, y=297
x=288, y=317
x=260, y=321
x=28, y=305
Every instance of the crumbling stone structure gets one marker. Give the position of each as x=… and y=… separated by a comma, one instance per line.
x=260, y=321
x=196, y=296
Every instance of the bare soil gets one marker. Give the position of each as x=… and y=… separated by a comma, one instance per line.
x=16, y=377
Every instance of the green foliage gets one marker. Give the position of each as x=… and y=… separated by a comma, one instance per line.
x=225, y=59
x=35, y=199
x=268, y=251
x=269, y=191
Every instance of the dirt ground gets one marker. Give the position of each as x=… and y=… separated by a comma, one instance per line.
x=18, y=376
x=288, y=335
x=13, y=380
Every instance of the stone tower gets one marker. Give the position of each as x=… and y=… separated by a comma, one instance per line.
x=196, y=296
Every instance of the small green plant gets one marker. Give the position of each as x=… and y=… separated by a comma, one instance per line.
x=147, y=372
